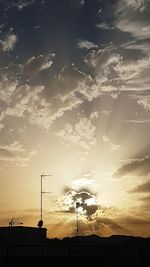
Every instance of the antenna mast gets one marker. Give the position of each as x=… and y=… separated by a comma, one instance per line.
x=78, y=204
x=40, y=223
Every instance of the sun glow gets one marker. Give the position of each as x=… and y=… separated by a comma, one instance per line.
x=81, y=201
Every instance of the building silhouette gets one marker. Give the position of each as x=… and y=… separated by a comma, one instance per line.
x=114, y=251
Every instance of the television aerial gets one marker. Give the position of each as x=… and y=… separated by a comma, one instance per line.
x=13, y=222
x=40, y=222
x=78, y=204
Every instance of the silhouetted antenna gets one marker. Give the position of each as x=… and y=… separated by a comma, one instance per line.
x=40, y=223
x=78, y=204
x=13, y=222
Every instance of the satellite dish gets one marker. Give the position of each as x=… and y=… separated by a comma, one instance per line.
x=40, y=224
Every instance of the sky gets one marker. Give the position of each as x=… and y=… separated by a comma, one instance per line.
x=75, y=104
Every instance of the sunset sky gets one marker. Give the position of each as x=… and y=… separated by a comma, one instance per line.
x=75, y=103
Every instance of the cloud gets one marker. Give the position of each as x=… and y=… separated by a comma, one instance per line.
x=13, y=147
x=135, y=46
x=137, y=121
x=104, y=26
x=140, y=167
x=1, y=126
x=19, y=4
x=81, y=201
x=137, y=29
x=130, y=19
x=81, y=134
x=7, y=89
x=15, y=153
x=77, y=3
x=142, y=188
x=112, y=146
x=25, y=101
x=144, y=101
x=129, y=70
x=22, y=4
x=147, y=199
x=9, y=42
x=94, y=115
x=38, y=63
x=86, y=44
x=127, y=5
x=69, y=78
x=82, y=2
x=114, y=72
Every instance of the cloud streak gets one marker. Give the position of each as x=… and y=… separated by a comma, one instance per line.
x=140, y=167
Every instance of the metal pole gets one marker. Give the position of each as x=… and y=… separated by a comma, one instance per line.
x=43, y=175
x=77, y=224
x=41, y=197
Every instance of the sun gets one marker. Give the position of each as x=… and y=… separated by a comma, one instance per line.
x=81, y=201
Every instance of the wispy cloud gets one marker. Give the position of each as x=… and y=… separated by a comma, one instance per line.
x=104, y=26
x=137, y=121
x=15, y=153
x=129, y=18
x=110, y=144
x=142, y=188
x=38, y=63
x=139, y=166
x=81, y=134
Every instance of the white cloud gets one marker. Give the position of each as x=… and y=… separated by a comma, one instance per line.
x=104, y=26
x=86, y=44
x=94, y=115
x=20, y=4
x=9, y=42
x=137, y=29
x=30, y=102
x=46, y=65
x=106, y=112
x=144, y=101
x=82, y=135
x=15, y=153
x=131, y=17
x=82, y=2
x=13, y=147
x=137, y=121
x=38, y=63
x=24, y=100
x=113, y=73
x=23, y=4
x=7, y=89
x=130, y=70
x=144, y=47
x=112, y=146
x=134, y=4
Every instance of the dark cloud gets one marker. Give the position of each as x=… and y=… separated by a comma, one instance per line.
x=143, y=188
x=145, y=199
x=112, y=223
x=5, y=153
x=86, y=200
x=140, y=167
